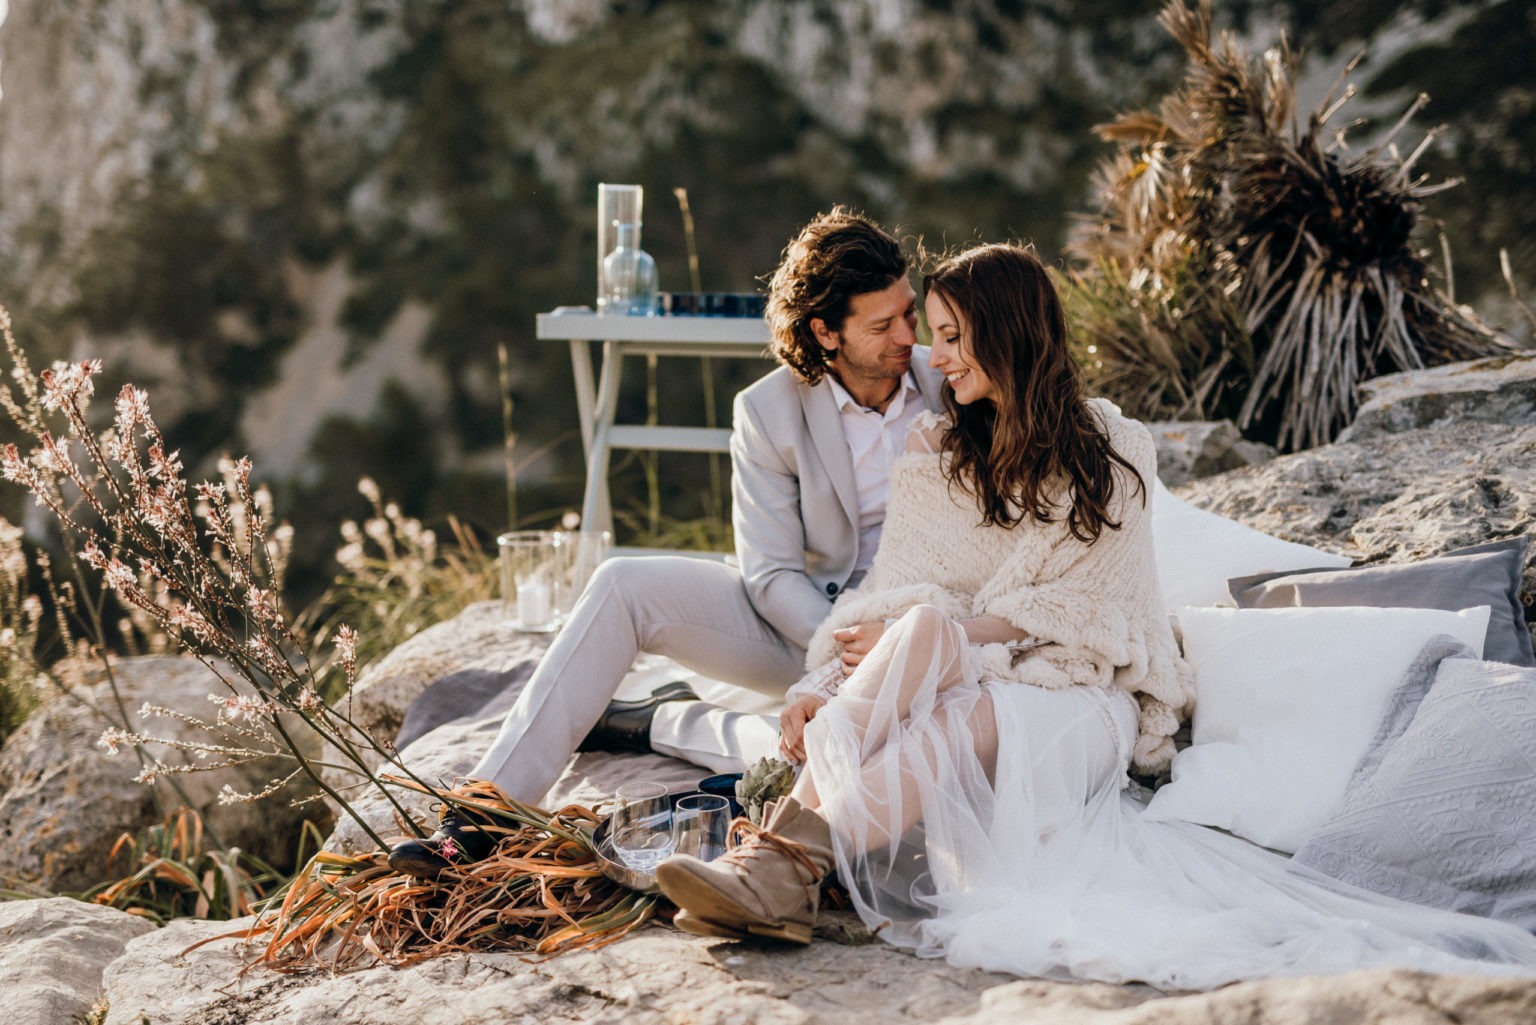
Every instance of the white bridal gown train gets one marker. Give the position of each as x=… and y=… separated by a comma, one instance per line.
x=987, y=823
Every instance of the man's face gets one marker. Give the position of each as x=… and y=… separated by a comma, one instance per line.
x=875, y=343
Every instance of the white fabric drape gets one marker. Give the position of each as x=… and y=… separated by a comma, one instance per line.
x=987, y=823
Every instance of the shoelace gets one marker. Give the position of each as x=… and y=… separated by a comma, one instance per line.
x=748, y=840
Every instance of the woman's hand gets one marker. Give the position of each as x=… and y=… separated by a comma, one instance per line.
x=991, y=630
x=857, y=640
x=792, y=726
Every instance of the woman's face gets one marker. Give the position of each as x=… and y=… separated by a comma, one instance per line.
x=951, y=354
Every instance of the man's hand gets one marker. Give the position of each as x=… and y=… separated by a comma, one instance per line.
x=792, y=726
x=857, y=640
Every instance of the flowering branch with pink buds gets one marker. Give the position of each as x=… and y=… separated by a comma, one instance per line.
x=198, y=562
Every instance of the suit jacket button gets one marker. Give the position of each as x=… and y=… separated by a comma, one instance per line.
x=831, y=588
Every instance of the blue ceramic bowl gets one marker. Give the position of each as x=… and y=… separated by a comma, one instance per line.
x=723, y=785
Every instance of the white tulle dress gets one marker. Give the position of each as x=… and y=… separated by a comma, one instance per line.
x=987, y=821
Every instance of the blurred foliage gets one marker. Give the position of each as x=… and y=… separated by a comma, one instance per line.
x=1246, y=263
x=175, y=873
x=21, y=615
x=473, y=198
x=396, y=579
x=456, y=175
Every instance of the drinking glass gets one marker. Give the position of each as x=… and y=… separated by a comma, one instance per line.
x=703, y=820
x=642, y=826
x=530, y=579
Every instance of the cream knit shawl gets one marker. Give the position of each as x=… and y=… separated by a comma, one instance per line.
x=1099, y=605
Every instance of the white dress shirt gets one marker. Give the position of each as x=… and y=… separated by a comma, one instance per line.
x=874, y=439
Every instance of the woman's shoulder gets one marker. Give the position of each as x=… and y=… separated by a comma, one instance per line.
x=926, y=431
x=1119, y=428
x=1130, y=439
x=1106, y=410
x=929, y=420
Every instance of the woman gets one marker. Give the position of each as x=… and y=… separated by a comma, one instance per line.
x=1007, y=659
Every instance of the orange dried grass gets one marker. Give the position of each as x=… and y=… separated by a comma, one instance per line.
x=541, y=892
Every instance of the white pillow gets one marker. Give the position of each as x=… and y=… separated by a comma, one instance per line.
x=1198, y=552
x=1286, y=704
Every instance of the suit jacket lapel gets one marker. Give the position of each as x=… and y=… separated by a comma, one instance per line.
x=826, y=428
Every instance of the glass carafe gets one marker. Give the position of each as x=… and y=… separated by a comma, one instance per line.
x=629, y=275
x=616, y=204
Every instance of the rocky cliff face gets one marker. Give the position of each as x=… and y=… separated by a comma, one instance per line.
x=307, y=225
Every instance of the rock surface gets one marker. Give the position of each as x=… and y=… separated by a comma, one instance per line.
x=52, y=954
x=1392, y=497
x=661, y=976
x=1501, y=389
x=1186, y=451
x=476, y=649
x=64, y=801
x=442, y=696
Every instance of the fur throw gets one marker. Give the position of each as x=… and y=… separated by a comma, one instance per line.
x=1098, y=606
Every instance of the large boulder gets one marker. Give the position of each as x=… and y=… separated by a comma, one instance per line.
x=660, y=976
x=1186, y=451
x=1392, y=497
x=1500, y=389
x=64, y=801
x=53, y=953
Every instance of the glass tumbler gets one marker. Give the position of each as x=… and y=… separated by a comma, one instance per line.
x=642, y=827
x=703, y=821
x=531, y=570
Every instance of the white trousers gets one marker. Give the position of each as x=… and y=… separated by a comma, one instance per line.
x=693, y=611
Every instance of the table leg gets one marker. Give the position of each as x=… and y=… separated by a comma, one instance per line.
x=596, y=507
x=581, y=370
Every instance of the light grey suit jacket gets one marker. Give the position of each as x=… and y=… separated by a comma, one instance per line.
x=796, y=505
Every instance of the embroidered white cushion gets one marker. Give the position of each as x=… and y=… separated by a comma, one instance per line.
x=1198, y=552
x=1287, y=702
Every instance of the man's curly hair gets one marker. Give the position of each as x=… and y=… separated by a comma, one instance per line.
x=837, y=256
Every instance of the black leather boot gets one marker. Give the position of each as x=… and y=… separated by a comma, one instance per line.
x=458, y=841
x=626, y=725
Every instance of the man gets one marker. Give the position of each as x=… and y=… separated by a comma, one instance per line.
x=809, y=453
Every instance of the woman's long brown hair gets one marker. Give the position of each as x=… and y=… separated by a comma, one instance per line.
x=1039, y=441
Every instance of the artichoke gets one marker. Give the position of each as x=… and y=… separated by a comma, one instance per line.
x=765, y=781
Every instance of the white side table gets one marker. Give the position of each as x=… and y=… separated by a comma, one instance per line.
x=731, y=337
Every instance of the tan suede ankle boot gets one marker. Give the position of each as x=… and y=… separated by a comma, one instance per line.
x=767, y=884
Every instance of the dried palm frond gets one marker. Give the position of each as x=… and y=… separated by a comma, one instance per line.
x=541, y=892
x=1221, y=215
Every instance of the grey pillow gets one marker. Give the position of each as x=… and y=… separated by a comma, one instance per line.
x=1442, y=811
x=1487, y=574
